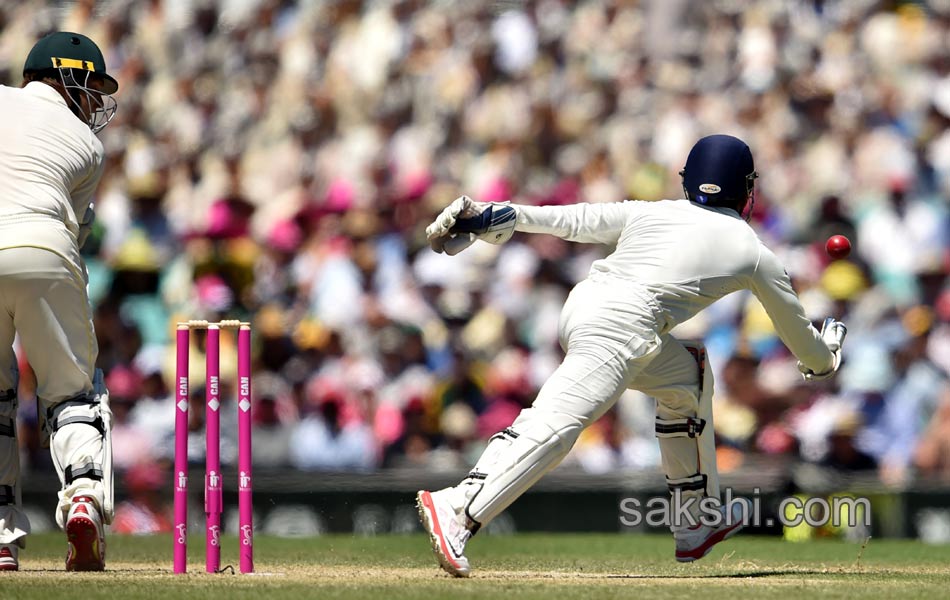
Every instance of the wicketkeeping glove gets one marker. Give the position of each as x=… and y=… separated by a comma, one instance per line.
x=464, y=221
x=832, y=334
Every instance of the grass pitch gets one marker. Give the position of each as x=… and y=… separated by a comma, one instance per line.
x=523, y=566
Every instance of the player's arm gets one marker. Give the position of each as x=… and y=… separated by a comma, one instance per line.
x=818, y=353
x=599, y=223
x=81, y=195
x=466, y=220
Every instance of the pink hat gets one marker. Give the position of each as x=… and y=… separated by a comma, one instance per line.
x=340, y=196
x=285, y=236
x=213, y=293
x=124, y=383
x=414, y=185
x=225, y=218
x=497, y=190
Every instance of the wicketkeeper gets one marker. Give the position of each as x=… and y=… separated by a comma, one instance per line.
x=50, y=166
x=671, y=259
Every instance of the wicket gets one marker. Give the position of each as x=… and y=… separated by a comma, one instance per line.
x=213, y=487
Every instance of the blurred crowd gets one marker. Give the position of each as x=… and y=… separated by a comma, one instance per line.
x=278, y=160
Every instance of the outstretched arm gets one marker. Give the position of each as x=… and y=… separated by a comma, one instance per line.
x=818, y=353
x=589, y=223
x=464, y=221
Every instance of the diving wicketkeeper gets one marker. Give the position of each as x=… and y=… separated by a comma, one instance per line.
x=671, y=259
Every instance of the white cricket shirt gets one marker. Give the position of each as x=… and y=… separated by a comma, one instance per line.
x=686, y=256
x=50, y=166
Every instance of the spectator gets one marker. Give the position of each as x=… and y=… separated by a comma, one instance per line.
x=323, y=441
x=277, y=161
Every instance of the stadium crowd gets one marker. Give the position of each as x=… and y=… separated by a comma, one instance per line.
x=278, y=160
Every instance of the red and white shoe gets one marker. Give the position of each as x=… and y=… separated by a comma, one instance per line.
x=87, y=542
x=9, y=557
x=447, y=527
x=695, y=542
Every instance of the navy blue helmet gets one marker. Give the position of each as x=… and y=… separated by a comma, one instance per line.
x=719, y=171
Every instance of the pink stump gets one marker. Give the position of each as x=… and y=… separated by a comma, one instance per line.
x=213, y=498
x=245, y=495
x=181, y=451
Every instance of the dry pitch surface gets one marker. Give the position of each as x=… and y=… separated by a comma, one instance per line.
x=521, y=566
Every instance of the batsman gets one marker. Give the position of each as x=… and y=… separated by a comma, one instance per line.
x=670, y=260
x=50, y=164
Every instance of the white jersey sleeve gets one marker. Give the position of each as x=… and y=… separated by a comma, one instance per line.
x=773, y=287
x=584, y=222
x=81, y=195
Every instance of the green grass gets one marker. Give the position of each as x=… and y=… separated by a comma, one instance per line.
x=522, y=566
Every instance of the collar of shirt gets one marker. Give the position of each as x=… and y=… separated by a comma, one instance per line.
x=720, y=209
x=42, y=90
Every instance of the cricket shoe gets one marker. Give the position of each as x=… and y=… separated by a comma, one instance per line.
x=87, y=542
x=447, y=526
x=8, y=558
x=693, y=543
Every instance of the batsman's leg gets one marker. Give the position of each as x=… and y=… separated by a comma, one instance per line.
x=14, y=524
x=53, y=318
x=78, y=439
x=683, y=387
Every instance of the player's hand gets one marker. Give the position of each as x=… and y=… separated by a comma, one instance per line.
x=452, y=243
x=464, y=220
x=438, y=233
x=832, y=334
x=85, y=226
x=446, y=219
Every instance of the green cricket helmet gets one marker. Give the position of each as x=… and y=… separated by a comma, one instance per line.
x=79, y=64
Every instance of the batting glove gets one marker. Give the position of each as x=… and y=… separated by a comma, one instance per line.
x=464, y=221
x=832, y=334
x=85, y=226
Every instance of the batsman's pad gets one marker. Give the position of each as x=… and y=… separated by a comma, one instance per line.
x=105, y=411
x=9, y=457
x=14, y=525
x=516, y=459
x=79, y=430
x=684, y=429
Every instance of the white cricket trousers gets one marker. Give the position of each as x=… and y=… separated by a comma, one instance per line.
x=609, y=329
x=43, y=299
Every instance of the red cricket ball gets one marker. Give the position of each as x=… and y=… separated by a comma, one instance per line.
x=838, y=246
